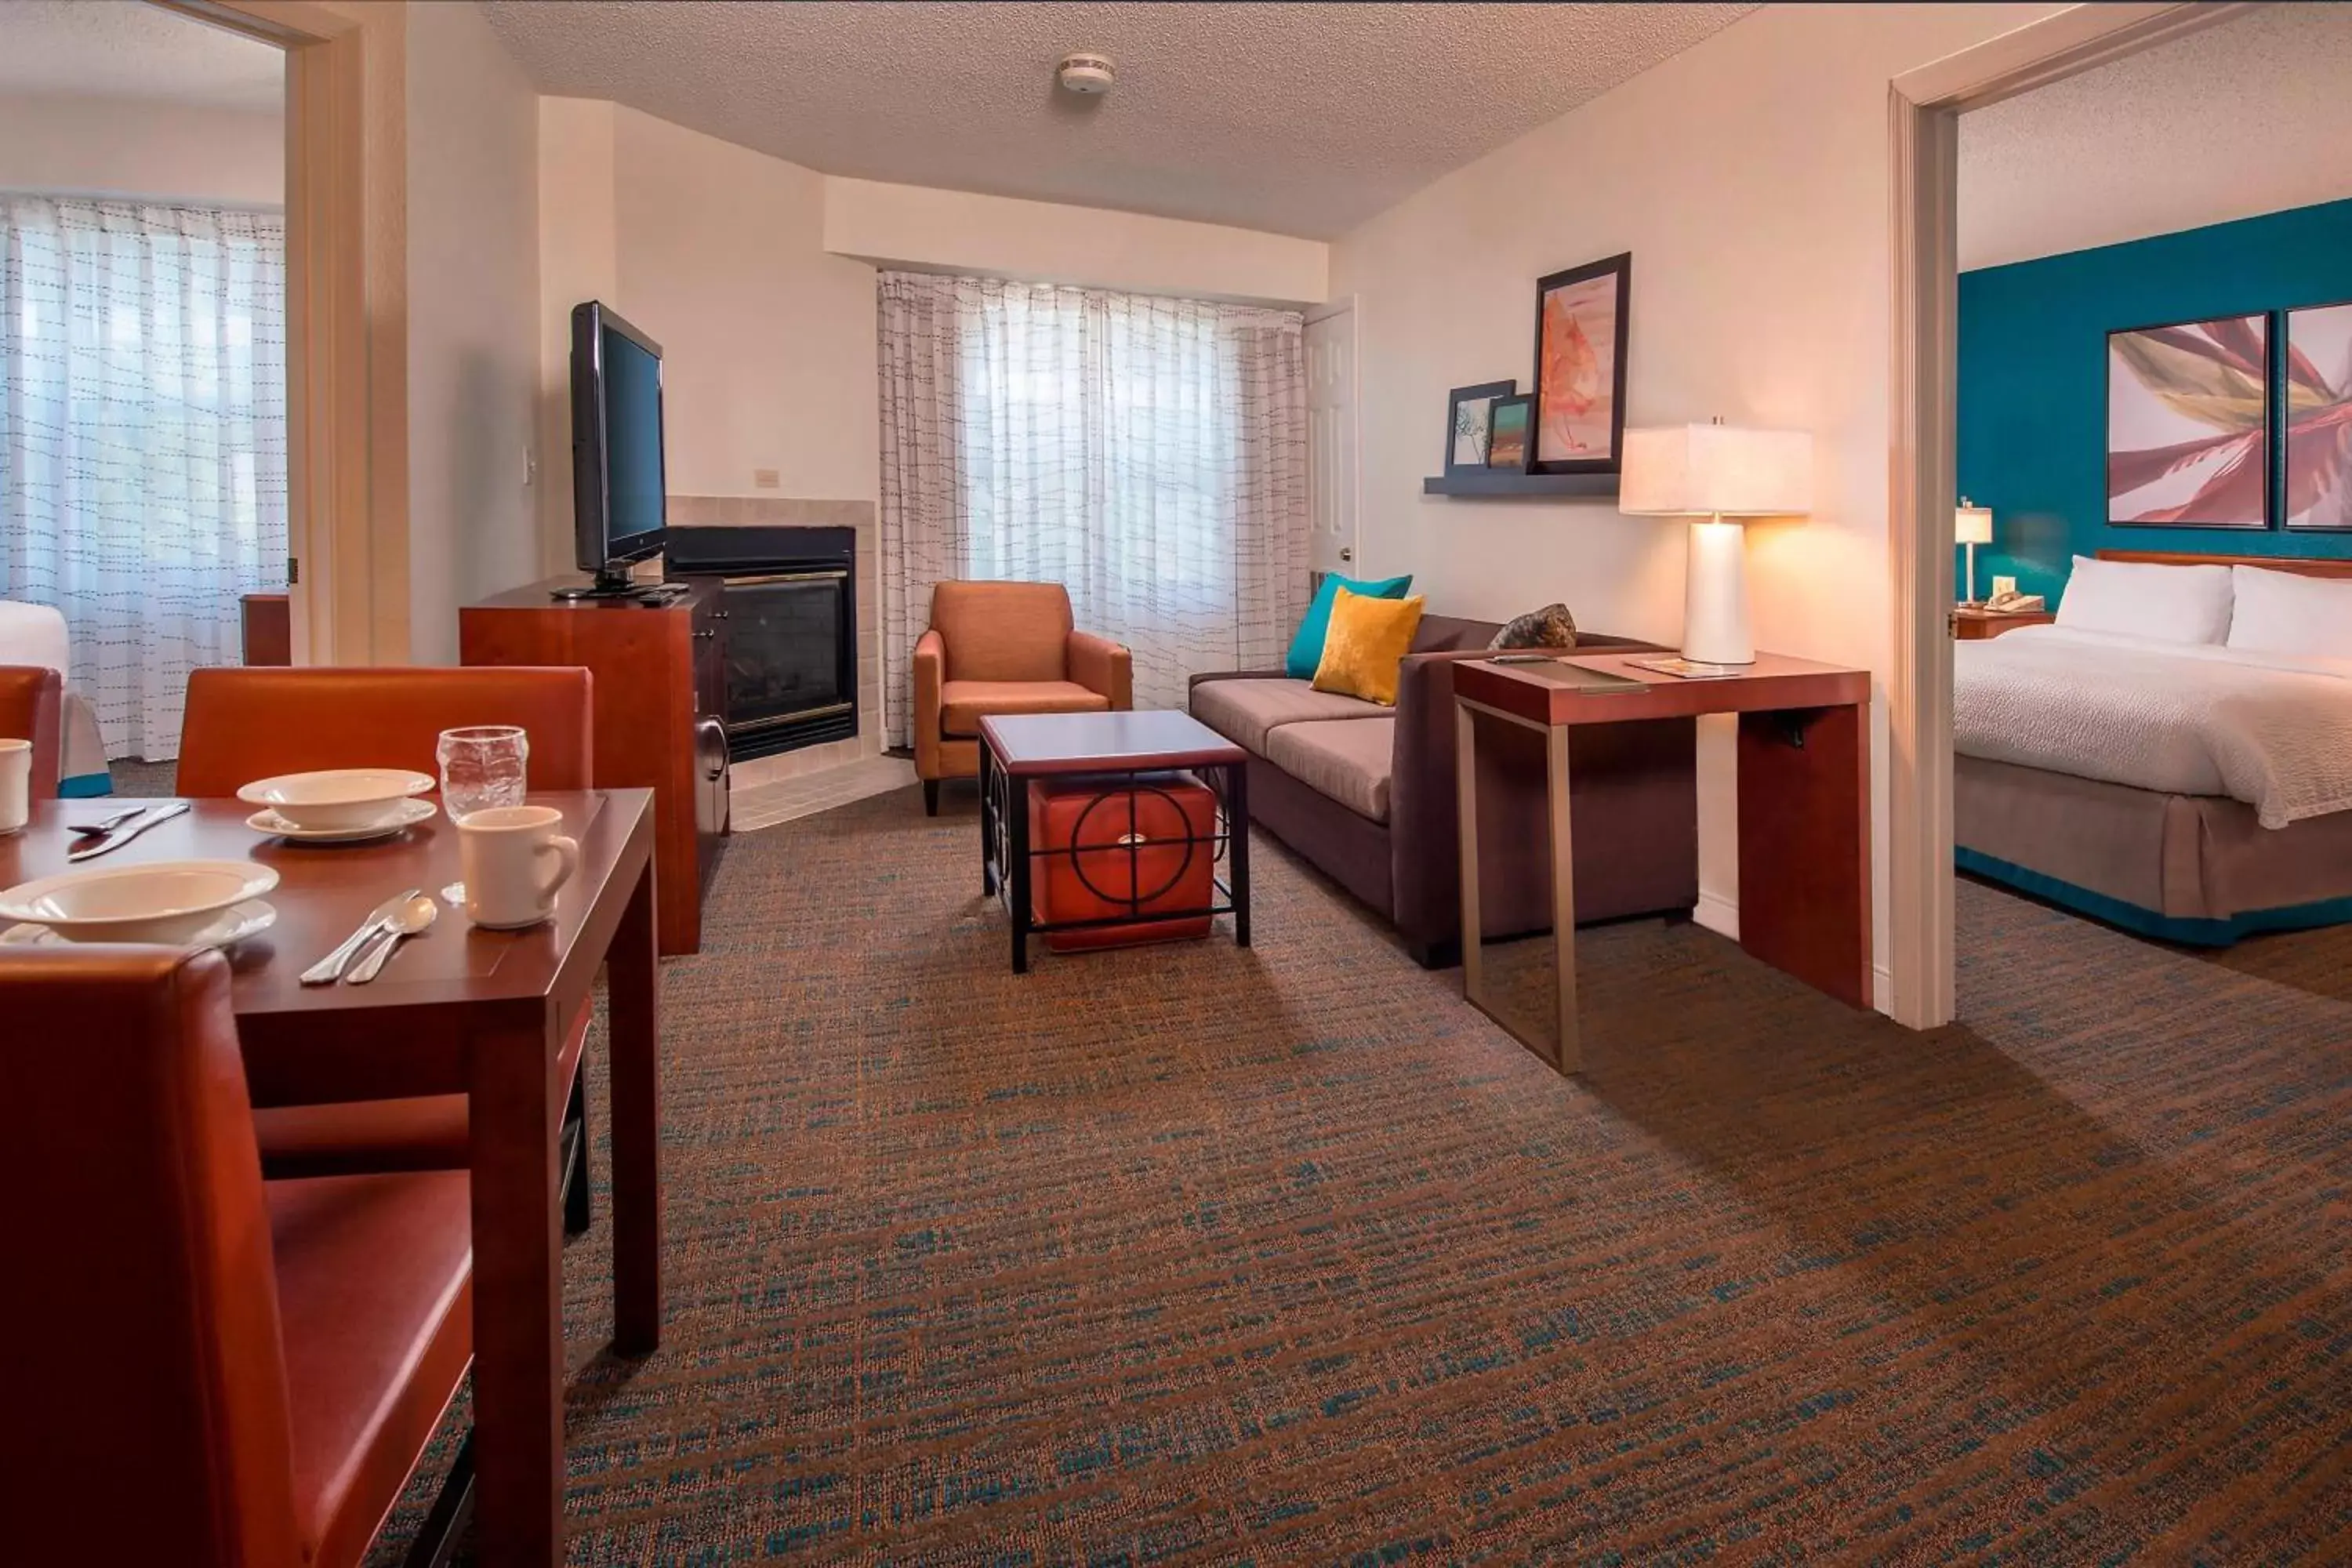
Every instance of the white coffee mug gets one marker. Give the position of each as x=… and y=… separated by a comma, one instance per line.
x=15, y=784
x=514, y=861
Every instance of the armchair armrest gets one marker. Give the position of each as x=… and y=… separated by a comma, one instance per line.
x=1101, y=665
x=930, y=673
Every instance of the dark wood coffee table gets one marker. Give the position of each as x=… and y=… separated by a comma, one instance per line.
x=1116, y=747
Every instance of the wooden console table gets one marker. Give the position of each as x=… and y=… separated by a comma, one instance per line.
x=660, y=695
x=1804, y=809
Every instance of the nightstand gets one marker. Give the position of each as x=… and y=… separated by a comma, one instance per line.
x=1976, y=626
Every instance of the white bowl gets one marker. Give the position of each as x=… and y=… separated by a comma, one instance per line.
x=168, y=901
x=338, y=797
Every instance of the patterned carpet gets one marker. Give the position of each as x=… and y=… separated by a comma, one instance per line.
x=1191, y=1254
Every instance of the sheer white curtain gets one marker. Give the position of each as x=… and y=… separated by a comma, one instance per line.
x=1148, y=453
x=142, y=440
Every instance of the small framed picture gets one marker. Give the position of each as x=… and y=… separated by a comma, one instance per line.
x=2318, y=417
x=1509, y=425
x=1581, y=368
x=2188, y=424
x=1467, y=411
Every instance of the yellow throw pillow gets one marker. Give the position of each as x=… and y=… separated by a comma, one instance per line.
x=1367, y=643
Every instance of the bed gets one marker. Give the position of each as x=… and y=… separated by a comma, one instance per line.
x=2190, y=790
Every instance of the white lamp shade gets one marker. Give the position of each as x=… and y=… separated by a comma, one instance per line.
x=1972, y=525
x=1716, y=470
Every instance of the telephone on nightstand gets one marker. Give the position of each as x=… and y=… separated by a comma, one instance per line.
x=2012, y=604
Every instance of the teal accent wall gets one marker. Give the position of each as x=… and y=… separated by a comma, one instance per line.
x=2033, y=379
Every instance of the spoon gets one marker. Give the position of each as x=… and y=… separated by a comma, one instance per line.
x=105, y=825
x=414, y=917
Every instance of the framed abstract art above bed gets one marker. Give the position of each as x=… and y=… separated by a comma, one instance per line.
x=2318, y=467
x=2188, y=424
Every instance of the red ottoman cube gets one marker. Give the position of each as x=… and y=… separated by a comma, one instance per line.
x=1145, y=838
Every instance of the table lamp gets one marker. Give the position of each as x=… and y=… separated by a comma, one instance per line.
x=1971, y=526
x=1716, y=475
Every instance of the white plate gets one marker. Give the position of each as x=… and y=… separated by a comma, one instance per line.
x=408, y=813
x=164, y=901
x=335, y=798
x=234, y=924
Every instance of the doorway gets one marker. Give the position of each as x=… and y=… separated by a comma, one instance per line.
x=1924, y=108
x=1333, y=486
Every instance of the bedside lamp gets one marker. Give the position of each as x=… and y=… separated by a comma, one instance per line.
x=1971, y=526
x=1714, y=475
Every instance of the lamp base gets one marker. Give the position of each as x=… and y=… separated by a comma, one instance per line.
x=1715, y=596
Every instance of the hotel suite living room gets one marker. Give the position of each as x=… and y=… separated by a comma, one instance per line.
x=941, y=783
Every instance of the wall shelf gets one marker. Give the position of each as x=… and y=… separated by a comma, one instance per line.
x=1499, y=482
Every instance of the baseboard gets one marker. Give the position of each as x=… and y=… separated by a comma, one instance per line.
x=1882, y=989
x=1717, y=914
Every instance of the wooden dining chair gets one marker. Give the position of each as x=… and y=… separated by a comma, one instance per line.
x=243, y=724
x=32, y=707
x=207, y=1368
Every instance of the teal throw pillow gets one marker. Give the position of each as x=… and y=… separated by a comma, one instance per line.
x=1306, y=648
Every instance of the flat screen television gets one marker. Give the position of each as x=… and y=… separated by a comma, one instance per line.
x=618, y=511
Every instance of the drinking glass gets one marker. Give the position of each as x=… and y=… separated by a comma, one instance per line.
x=483, y=766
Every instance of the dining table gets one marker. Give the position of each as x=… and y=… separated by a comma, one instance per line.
x=458, y=1009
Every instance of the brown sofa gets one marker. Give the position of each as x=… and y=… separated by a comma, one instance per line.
x=1367, y=794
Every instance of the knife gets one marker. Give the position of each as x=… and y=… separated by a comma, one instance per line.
x=329, y=969
x=124, y=834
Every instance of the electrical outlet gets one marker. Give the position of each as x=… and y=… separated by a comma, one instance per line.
x=2003, y=585
x=764, y=478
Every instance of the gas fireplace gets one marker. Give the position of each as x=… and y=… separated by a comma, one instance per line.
x=790, y=609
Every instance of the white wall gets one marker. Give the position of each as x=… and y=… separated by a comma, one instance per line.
x=922, y=230
x=577, y=262
x=473, y=320
x=1749, y=177
x=768, y=343
x=77, y=145
x=2248, y=117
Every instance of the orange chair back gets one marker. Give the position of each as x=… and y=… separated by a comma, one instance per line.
x=246, y=725
x=32, y=705
x=1004, y=631
x=148, y=1412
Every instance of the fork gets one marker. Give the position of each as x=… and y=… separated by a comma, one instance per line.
x=107, y=825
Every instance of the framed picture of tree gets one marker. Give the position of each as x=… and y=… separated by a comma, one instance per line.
x=1468, y=413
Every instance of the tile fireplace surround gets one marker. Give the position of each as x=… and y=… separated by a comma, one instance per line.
x=756, y=780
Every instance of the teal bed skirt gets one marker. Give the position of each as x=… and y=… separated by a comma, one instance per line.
x=2192, y=932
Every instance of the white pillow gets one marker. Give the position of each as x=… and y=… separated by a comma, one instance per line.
x=2141, y=599
x=2284, y=612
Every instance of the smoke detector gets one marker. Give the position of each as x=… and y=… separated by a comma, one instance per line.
x=1087, y=75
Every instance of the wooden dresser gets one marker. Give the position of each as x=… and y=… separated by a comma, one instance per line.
x=660, y=694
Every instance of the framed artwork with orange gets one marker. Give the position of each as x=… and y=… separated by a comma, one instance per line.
x=1580, y=396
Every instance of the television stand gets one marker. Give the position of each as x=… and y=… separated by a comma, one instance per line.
x=610, y=584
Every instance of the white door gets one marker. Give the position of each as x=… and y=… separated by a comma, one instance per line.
x=1331, y=439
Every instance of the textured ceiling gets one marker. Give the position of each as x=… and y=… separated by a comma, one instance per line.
x=1298, y=119
x=120, y=50
x=2249, y=116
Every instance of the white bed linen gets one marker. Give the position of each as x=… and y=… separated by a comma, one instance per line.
x=2274, y=729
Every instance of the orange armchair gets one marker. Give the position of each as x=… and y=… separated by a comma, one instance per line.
x=209, y=1369
x=1003, y=647
x=31, y=703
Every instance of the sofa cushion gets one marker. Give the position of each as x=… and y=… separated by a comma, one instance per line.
x=1348, y=759
x=1243, y=711
x=963, y=703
